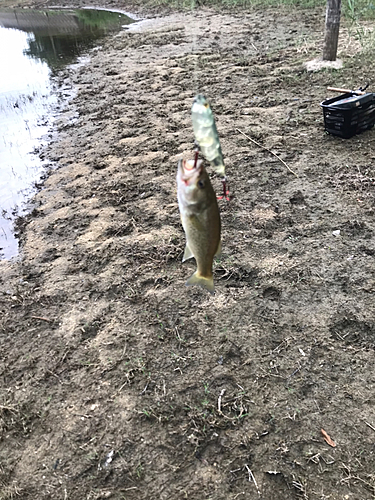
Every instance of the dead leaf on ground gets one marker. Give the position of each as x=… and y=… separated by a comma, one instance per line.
x=327, y=438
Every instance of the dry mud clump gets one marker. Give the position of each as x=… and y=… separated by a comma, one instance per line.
x=117, y=381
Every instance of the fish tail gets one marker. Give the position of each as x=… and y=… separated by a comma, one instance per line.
x=207, y=283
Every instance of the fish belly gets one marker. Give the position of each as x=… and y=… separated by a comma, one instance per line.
x=202, y=239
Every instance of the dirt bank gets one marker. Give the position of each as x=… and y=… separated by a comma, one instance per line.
x=119, y=382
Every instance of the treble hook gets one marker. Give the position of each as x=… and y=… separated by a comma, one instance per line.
x=226, y=193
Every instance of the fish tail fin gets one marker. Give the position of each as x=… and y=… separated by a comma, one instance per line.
x=207, y=283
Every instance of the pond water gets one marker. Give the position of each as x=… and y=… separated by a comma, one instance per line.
x=34, y=45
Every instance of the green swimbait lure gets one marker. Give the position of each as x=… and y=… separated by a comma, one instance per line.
x=206, y=133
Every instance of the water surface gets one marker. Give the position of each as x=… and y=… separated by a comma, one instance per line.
x=35, y=45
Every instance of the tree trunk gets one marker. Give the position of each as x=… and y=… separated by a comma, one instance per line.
x=331, y=36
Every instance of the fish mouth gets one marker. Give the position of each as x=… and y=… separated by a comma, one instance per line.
x=190, y=166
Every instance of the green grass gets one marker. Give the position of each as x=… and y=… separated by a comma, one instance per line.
x=191, y=4
x=355, y=10
x=351, y=9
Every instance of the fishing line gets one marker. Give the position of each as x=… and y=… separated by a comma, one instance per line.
x=195, y=70
x=194, y=49
x=212, y=136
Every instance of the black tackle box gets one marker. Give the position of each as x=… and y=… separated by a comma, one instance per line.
x=349, y=114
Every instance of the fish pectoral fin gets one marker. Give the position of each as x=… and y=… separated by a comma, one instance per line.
x=207, y=283
x=218, y=251
x=188, y=254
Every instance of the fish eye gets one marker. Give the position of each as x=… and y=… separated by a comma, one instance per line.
x=201, y=184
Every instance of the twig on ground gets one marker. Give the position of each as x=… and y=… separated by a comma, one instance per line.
x=144, y=390
x=219, y=400
x=9, y=408
x=371, y=427
x=300, y=487
x=269, y=151
x=251, y=477
x=88, y=442
x=264, y=371
x=54, y=374
x=42, y=319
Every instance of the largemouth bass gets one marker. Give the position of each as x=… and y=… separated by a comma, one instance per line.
x=206, y=133
x=200, y=219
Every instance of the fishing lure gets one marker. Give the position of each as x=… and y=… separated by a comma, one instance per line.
x=205, y=133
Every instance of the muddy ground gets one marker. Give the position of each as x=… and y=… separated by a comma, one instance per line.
x=119, y=382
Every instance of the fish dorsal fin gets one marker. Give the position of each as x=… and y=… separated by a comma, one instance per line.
x=188, y=254
x=218, y=251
